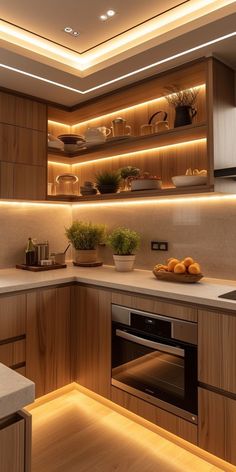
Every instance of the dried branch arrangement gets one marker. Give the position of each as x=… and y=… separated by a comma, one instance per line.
x=179, y=98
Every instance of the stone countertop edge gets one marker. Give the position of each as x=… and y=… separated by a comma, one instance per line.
x=15, y=391
x=142, y=282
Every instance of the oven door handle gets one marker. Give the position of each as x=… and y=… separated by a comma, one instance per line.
x=153, y=345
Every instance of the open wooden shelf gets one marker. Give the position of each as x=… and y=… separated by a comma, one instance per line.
x=133, y=144
x=194, y=190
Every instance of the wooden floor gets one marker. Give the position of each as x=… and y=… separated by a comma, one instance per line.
x=75, y=433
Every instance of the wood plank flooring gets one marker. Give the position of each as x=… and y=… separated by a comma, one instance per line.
x=75, y=433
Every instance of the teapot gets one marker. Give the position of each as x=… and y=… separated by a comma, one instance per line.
x=97, y=135
x=120, y=128
x=157, y=126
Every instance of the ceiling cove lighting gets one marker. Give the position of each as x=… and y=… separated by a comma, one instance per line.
x=159, y=201
x=138, y=153
x=122, y=77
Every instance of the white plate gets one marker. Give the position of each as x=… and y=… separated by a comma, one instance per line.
x=145, y=184
x=189, y=180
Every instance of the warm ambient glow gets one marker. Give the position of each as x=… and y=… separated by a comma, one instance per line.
x=134, y=37
x=138, y=153
x=58, y=123
x=23, y=204
x=158, y=201
x=122, y=77
x=132, y=107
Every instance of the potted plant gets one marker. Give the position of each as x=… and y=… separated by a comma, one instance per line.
x=108, y=182
x=85, y=238
x=124, y=242
x=184, y=102
x=127, y=174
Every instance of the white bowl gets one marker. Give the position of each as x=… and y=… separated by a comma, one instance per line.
x=189, y=180
x=145, y=184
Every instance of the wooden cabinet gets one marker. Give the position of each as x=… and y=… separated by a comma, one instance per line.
x=217, y=424
x=15, y=443
x=23, y=148
x=48, y=361
x=12, y=316
x=164, y=419
x=92, y=339
x=217, y=350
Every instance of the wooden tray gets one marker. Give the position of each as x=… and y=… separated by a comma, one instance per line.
x=40, y=268
x=182, y=278
x=88, y=264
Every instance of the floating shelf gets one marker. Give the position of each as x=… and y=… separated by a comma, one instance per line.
x=194, y=190
x=140, y=143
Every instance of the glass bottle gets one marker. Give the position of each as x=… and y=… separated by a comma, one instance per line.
x=30, y=253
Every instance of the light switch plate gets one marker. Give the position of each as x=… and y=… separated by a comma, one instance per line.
x=159, y=245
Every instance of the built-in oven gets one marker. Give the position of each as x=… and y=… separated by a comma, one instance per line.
x=154, y=357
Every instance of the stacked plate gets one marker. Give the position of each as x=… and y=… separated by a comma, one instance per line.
x=72, y=142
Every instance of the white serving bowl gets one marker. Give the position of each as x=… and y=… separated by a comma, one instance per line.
x=145, y=184
x=189, y=180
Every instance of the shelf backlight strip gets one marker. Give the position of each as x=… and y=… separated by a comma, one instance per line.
x=159, y=201
x=138, y=153
x=133, y=107
x=125, y=76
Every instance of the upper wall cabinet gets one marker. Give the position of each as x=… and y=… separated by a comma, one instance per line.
x=23, y=145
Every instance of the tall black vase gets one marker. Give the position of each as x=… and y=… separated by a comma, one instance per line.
x=184, y=115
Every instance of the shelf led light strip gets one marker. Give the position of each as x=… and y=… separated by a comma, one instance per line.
x=121, y=77
x=138, y=153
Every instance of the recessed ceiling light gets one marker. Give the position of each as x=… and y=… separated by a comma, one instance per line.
x=68, y=29
x=75, y=33
x=111, y=13
x=103, y=17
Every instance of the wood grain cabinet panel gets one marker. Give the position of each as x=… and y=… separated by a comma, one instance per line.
x=153, y=305
x=162, y=418
x=22, y=145
x=217, y=424
x=13, y=353
x=92, y=330
x=217, y=350
x=48, y=339
x=12, y=445
x=30, y=182
x=19, y=111
x=12, y=316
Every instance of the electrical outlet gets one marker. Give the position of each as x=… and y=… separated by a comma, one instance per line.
x=159, y=245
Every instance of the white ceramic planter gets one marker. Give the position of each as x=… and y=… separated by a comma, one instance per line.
x=124, y=263
x=87, y=255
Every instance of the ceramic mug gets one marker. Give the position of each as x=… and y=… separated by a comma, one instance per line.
x=161, y=126
x=146, y=129
x=98, y=134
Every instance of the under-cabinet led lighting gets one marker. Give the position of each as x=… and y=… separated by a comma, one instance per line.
x=158, y=201
x=125, y=76
x=24, y=204
x=58, y=163
x=138, y=153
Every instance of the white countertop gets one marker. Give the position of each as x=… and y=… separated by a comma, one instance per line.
x=205, y=292
x=15, y=391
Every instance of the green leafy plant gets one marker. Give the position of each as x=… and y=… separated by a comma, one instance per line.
x=124, y=241
x=85, y=236
x=129, y=171
x=108, y=182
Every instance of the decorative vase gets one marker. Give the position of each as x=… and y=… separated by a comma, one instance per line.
x=86, y=256
x=184, y=115
x=107, y=188
x=124, y=263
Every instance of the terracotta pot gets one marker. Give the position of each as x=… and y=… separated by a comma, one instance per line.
x=124, y=263
x=86, y=255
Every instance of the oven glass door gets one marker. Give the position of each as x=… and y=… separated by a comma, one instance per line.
x=155, y=367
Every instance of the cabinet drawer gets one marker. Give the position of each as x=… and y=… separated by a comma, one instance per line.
x=13, y=353
x=23, y=112
x=153, y=305
x=12, y=316
x=12, y=445
x=159, y=417
x=217, y=350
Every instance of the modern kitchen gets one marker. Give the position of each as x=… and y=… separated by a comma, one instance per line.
x=117, y=241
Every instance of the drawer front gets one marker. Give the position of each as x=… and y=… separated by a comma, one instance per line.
x=12, y=354
x=12, y=445
x=159, y=417
x=152, y=305
x=12, y=316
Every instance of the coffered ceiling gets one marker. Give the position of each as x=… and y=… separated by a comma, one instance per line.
x=37, y=57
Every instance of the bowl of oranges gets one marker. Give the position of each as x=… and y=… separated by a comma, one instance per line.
x=175, y=270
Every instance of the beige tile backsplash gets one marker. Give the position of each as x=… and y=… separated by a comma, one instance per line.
x=205, y=230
